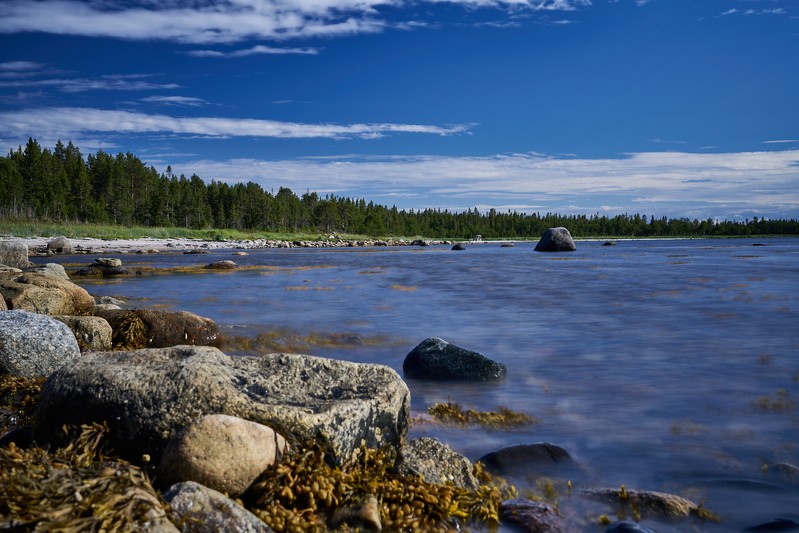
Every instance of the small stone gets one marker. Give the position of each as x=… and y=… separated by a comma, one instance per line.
x=202, y=509
x=363, y=516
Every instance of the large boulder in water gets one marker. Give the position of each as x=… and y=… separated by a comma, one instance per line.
x=14, y=254
x=147, y=396
x=44, y=293
x=556, y=240
x=34, y=345
x=436, y=359
x=524, y=459
x=150, y=328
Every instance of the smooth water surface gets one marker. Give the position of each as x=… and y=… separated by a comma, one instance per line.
x=661, y=365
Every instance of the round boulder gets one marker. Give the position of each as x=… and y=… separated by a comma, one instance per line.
x=44, y=293
x=60, y=245
x=436, y=359
x=34, y=345
x=50, y=269
x=205, y=453
x=459, y=246
x=556, y=240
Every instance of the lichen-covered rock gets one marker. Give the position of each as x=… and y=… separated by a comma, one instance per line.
x=149, y=328
x=533, y=516
x=436, y=359
x=60, y=245
x=524, y=459
x=149, y=395
x=222, y=452
x=14, y=254
x=201, y=509
x=46, y=294
x=92, y=332
x=34, y=345
x=556, y=240
x=437, y=463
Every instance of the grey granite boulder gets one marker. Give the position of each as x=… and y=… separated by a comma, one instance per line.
x=147, y=396
x=201, y=509
x=437, y=463
x=34, y=345
x=92, y=332
x=436, y=359
x=222, y=452
x=60, y=245
x=556, y=240
x=43, y=293
x=14, y=254
x=222, y=265
x=49, y=269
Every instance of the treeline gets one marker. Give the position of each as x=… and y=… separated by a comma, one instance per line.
x=61, y=185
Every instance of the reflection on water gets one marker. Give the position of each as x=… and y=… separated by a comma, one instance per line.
x=661, y=365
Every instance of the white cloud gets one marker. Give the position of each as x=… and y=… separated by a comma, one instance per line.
x=226, y=21
x=69, y=122
x=175, y=100
x=660, y=183
x=105, y=83
x=255, y=50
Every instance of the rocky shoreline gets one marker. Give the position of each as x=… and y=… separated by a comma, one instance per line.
x=42, y=246
x=279, y=442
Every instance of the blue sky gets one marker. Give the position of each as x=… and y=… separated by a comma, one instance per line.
x=678, y=108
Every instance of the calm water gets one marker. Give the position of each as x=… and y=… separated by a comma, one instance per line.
x=661, y=365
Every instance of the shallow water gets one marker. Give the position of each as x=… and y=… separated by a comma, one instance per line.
x=661, y=365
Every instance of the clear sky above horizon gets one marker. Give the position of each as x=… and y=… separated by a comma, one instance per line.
x=678, y=108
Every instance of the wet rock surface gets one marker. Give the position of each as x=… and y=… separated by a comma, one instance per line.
x=525, y=459
x=437, y=359
x=201, y=509
x=556, y=240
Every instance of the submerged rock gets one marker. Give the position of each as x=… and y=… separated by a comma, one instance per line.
x=437, y=359
x=147, y=396
x=648, y=504
x=222, y=265
x=625, y=526
x=34, y=345
x=459, y=246
x=556, y=240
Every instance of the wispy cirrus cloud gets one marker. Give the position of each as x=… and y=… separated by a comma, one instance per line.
x=68, y=122
x=772, y=11
x=226, y=21
x=252, y=51
x=175, y=100
x=134, y=82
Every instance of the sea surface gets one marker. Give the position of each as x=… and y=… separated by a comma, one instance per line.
x=665, y=365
